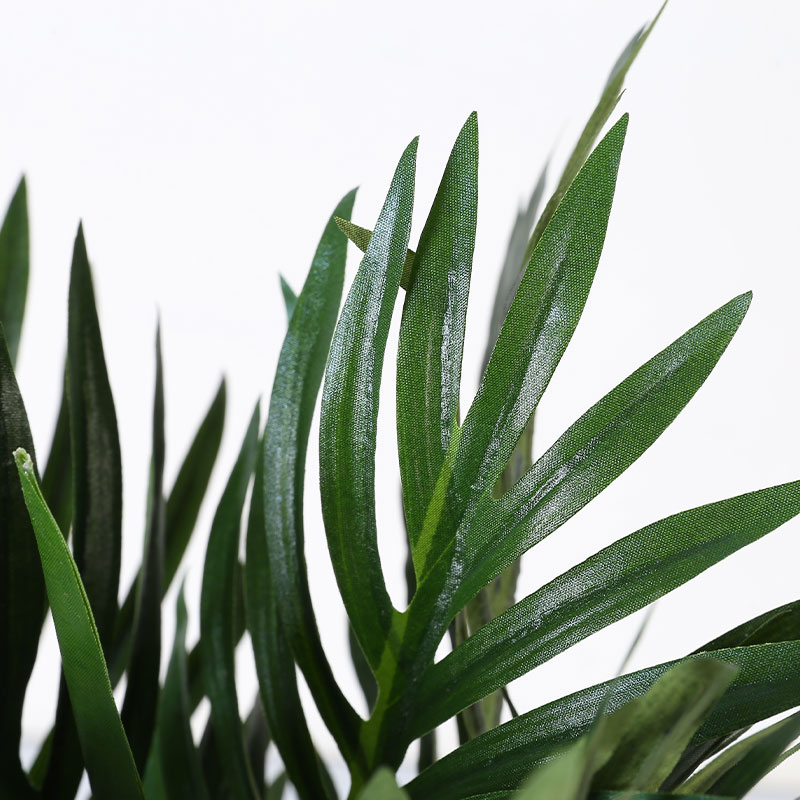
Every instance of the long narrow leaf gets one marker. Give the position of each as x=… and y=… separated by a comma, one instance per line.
x=768, y=683
x=217, y=639
x=22, y=597
x=57, y=476
x=349, y=413
x=141, y=694
x=432, y=330
x=617, y=581
x=294, y=393
x=108, y=758
x=14, y=255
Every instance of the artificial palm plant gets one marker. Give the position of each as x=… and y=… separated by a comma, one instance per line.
x=474, y=499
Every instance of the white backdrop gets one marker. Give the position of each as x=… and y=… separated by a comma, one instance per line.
x=204, y=149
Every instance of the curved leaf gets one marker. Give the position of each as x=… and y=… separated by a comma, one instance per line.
x=217, y=599
x=108, y=759
x=294, y=393
x=349, y=414
x=617, y=581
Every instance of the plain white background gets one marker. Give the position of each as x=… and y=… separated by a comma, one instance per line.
x=205, y=146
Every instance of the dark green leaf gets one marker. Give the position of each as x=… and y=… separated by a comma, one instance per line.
x=180, y=763
x=256, y=740
x=274, y=665
x=141, y=694
x=349, y=413
x=14, y=254
x=617, y=581
x=217, y=640
x=57, y=477
x=432, y=330
x=22, y=597
x=294, y=393
x=768, y=683
x=108, y=759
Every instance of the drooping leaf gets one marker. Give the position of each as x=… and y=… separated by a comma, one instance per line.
x=294, y=393
x=768, y=683
x=109, y=762
x=141, y=694
x=617, y=581
x=217, y=639
x=180, y=763
x=432, y=329
x=22, y=596
x=14, y=255
x=349, y=413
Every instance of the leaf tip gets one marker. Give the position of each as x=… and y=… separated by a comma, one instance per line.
x=23, y=460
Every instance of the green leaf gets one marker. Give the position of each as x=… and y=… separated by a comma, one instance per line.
x=217, y=639
x=57, y=477
x=364, y=674
x=768, y=683
x=97, y=471
x=349, y=413
x=22, y=597
x=596, y=449
x=181, y=769
x=599, y=117
x=537, y=330
x=289, y=298
x=108, y=759
x=382, y=786
x=182, y=510
x=277, y=582
x=617, y=581
x=274, y=665
x=432, y=330
x=14, y=255
x=276, y=788
x=141, y=694
x=360, y=237
x=742, y=766
x=256, y=740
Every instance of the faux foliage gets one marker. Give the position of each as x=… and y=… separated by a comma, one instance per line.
x=475, y=499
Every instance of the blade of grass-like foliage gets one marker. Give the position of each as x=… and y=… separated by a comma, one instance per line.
x=366, y=679
x=743, y=765
x=141, y=694
x=617, y=581
x=600, y=116
x=57, y=477
x=96, y=497
x=108, y=758
x=382, y=786
x=274, y=664
x=97, y=484
x=768, y=683
x=537, y=330
x=276, y=789
x=217, y=601
x=596, y=449
x=431, y=338
x=14, y=256
x=22, y=596
x=289, y=298
x=294, y=393
x=360, y=238
x=349, y=413
x=181, y=512
x=181, y=770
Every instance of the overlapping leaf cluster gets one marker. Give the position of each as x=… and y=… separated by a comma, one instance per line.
x=474, y=501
